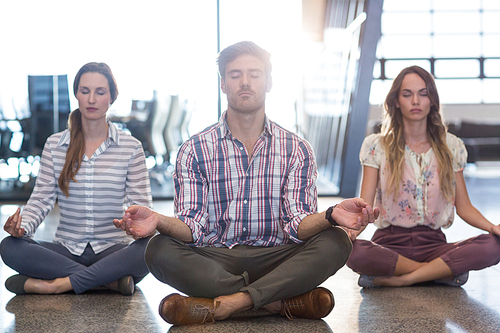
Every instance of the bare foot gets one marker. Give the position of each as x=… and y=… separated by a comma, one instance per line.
x=38, y=286
x=231, y=304
x=113, y=286
x=391, y=281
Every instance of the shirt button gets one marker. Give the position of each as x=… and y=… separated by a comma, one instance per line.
x=241, y=148
x=244, y=229
x=245, y=201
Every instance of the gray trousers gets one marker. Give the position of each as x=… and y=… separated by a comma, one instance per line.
x=268, y=274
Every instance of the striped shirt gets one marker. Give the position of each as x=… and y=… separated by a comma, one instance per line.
x=114, y=178
x=228, y=198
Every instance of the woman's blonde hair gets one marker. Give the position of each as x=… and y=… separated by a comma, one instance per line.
x=393, y=139
x=76, y=148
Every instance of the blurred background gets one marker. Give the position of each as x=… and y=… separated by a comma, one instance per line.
x=333, y=63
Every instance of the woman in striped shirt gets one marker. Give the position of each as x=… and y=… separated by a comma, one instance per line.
x=93, y=170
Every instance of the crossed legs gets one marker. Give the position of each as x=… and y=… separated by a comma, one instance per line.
x=409, y=272
x=53, y=269
x=247, y=277
x=402, y=257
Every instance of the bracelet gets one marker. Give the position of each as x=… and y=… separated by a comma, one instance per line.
x=329, y=216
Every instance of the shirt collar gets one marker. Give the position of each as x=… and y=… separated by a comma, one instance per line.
x=112, y=135
x=268, y=126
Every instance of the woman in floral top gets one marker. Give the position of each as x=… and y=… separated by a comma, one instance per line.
x=413, y=171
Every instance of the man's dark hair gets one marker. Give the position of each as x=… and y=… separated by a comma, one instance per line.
x=232, y=52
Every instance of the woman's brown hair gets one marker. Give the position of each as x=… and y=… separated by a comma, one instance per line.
x=393, y=138
x=76, y=148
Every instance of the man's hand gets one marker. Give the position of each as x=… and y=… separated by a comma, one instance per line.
x=13, y=225
x=138, y=221
x=355, y=214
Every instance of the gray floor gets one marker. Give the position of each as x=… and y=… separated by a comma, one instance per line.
x=472, y=308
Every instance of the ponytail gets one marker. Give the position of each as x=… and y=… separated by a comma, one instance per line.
x=74, y=155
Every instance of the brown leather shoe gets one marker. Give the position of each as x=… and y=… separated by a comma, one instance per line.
x=316, y=304
x=182, y=310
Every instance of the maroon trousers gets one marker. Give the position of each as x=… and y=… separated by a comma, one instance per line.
x=379, y=256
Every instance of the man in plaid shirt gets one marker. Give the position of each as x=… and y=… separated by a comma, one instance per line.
x=246, y=232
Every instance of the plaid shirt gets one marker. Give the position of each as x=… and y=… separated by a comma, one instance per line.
x=228, y=198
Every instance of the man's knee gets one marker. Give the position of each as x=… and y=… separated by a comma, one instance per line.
x=336, y=245
x=163, y=255
x=155, y=250
x=341, y=239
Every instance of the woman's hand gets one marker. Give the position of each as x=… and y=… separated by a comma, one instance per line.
x=353, y=234
x=495, y=230
x=13, y=224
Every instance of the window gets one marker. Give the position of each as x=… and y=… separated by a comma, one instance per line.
x=458, y=41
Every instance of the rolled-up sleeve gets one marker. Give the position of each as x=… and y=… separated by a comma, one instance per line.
x=300, y=197
x=191, y=192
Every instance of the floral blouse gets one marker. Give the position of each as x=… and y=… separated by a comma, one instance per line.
x=419, y=201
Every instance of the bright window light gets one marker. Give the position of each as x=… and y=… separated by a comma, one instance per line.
x=456, y=22
x=454, y=37
x=456, y=46
x=492, y=67
x=490, y=90
x=457, y=68
x=393, y=67
x=460, y=91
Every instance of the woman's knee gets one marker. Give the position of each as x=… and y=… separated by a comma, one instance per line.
x=7, y=248
x=358, y=256
x=370, y=258
x=491, y=249
x=474, y=254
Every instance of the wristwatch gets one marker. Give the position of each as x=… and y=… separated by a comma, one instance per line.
x=329, y=216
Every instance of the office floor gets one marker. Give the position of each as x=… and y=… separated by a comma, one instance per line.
x=472, y=308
